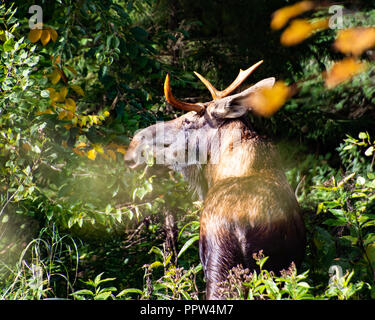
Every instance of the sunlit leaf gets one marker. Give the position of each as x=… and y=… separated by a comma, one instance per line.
x=282, y=16
x=343, y=71
x=45, y=37
x=81, y=145
x=99, y=148
x=355, y=40
x=91, y=154
x=121, y=150
x=267, y=101
x=34, y=35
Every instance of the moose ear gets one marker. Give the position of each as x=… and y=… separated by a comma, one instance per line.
x=237, y=105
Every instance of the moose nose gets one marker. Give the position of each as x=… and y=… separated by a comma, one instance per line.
x=129, y=161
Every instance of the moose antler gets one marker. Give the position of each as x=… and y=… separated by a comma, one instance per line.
x=216, y=94
x=179, y=104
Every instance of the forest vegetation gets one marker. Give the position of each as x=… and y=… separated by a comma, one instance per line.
x=76, y=223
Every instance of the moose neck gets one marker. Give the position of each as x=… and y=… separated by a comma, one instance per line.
x=242, y=153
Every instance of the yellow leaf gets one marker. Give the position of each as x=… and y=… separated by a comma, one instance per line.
x=99, y=149
x=112, y=154
x=301, y=29
x=82, y=121
x=78, y=90
x=62, y=94
x=95, y=119
x=355, y=40
x=69, y=115
x=64, y=144
x=70, y=105
x=67, y=126
x=62, y=115
x=81, y=145
x=74, y=121
x=55, y=76
x=53, y=34
x=121, y=150
x=343, y=71
x=45, y=37
x=34, y=35
x=282, y=16
x=267, y=101
x=91, y=154
x=105, y=113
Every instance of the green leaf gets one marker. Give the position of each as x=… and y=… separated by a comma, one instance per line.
x=8, y=45
x=188, y=244
x=103, y=296
x=126, y=291
x=369, y=151
x=83, y=292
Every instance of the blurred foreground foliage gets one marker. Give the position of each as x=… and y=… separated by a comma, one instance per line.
x=76, y=223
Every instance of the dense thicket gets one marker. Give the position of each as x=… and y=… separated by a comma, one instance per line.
x=75, y=223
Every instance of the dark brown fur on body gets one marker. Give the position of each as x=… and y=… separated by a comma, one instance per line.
x=231, y=232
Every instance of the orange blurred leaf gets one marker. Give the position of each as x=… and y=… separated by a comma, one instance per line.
x=282, y=16
x=81, y=152
x=81, y=145
x=267, y=101
x=355, y=40
x=342, y=71
x=45, y=37
x=301, y=29
x=121, y=150
x=34, y=35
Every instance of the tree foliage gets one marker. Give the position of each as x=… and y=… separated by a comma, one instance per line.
x=76, y=223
